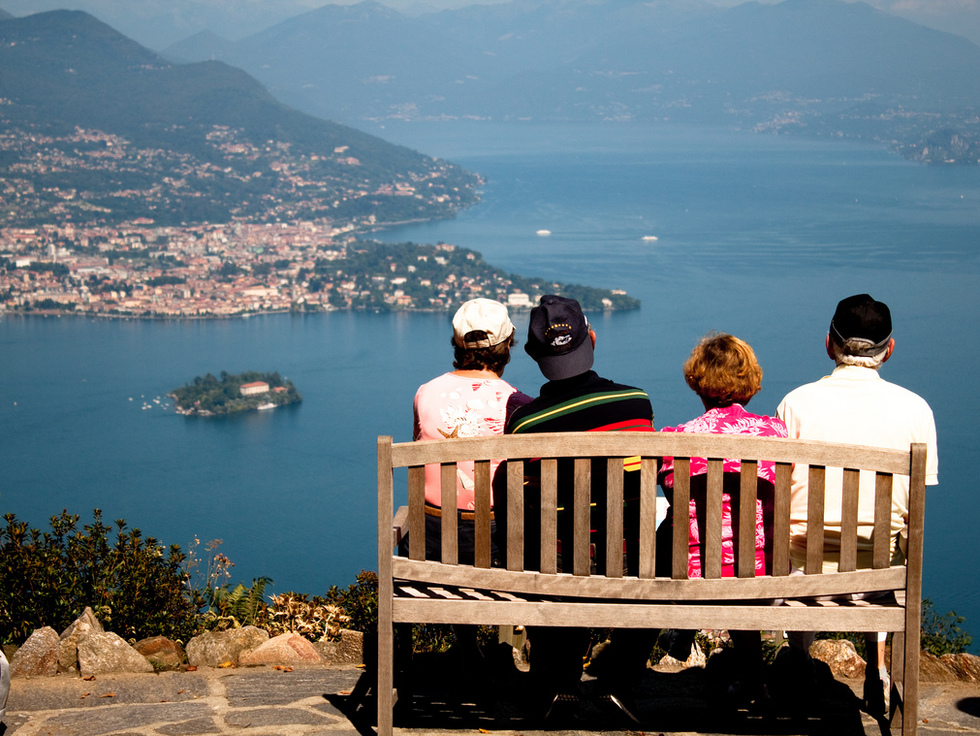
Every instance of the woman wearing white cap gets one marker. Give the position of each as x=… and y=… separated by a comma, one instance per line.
x=471, y=401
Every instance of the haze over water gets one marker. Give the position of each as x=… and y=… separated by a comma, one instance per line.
x=757, y=236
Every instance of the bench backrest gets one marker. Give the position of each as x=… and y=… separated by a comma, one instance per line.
x=646, y=451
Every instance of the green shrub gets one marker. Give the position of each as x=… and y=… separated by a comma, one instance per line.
x=136, y=587
x=314, y=618
x=942, y=634
x=359, y=601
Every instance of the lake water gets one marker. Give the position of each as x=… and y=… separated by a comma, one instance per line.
x=757, y=236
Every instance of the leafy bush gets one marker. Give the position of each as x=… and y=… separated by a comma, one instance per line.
x=136, y=587
x=942, y=634
x=359, y=601
x=227, y=607
x=314, y=618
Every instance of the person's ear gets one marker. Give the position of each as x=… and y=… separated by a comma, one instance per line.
x=891, y=349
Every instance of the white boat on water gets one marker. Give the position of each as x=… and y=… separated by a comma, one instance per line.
x=263, y=407
x=544, y=232
x=650, y=237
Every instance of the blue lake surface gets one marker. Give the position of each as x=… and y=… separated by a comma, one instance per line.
x=757, y=236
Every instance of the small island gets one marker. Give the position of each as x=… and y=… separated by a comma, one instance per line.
x=210, y=396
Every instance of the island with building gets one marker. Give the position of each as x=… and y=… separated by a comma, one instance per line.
x=230, y=394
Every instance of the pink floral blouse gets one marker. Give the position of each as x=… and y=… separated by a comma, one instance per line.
x=732, y=419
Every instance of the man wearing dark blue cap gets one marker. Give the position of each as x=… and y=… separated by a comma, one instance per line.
x=576, y=399
x=855, y=405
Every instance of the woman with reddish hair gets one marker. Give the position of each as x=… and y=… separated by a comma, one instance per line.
x=723, y=371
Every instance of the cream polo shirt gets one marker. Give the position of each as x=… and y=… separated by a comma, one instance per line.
x=857, y=406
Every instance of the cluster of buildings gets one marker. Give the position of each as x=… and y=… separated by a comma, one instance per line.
x=223, y=270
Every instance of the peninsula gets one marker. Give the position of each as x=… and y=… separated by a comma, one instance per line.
x=241, y=269
x=210, y=396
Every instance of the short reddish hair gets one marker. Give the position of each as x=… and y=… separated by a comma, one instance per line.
x=723, y=370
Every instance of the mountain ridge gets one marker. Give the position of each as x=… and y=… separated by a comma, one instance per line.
x=751, y=66
x=210, y=129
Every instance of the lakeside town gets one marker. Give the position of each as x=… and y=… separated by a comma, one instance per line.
x=212, y=270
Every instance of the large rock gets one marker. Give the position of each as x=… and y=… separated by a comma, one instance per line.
x=286, y=648
x=840, y=655
x=966, y=667
x=79, y=628
x=100, y=653
x=349, y=650
x=38, y=657
x=215, y=648
x=933, y=669
x=161, y=652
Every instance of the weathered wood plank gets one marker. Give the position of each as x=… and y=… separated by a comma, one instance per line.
x=711, y=525
x=448, y=504
x=681, y=534
x=748, y=494
x=663, y=589
x=648, y=518
x=630, y=615
x=814, y=519
x=780, y=519
x=650, y=444
x=515, y=515
x=482, y=511
x=614, y=519
x=416, y=512
x=849, y=516
x=581, y=519
x=549, y=516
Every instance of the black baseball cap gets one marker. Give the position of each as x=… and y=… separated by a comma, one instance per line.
x=862, y=317
x=558, y=338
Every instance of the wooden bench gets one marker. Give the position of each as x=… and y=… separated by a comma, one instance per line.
x=412, y=589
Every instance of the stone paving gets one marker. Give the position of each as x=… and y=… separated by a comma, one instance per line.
x=315, y=701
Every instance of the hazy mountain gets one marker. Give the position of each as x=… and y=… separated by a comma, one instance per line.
x=209, y=129
x=603, y=59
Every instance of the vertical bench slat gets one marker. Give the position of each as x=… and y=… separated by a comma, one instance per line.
x=913, y=593
x=582, y=518
x=814, y=520
x=748, y=493
x=481, y=498
x=848, y=520
x=614, y=518
x=386, y=637
x=648, y=517
x=680, y=542
x=882, y=540
x=515, y=515
x=549, y=516
x=448, y=503
x=416, y=512
x=780, y=519
x=710, y=531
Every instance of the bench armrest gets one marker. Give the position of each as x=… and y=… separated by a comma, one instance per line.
x=399, y=526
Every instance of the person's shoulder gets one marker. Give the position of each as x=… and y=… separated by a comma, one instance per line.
x=607, y=385
x=439, y=380
x=907, y=395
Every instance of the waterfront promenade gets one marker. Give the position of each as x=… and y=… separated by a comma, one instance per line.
x=313, y=701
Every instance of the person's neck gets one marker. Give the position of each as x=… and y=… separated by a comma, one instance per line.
x=473, y=373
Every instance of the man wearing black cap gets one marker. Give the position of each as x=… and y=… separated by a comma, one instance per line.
x=575, y=399
x=855, y=405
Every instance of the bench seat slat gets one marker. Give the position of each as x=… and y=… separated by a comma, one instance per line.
x=633, y=615
x=598, y=586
